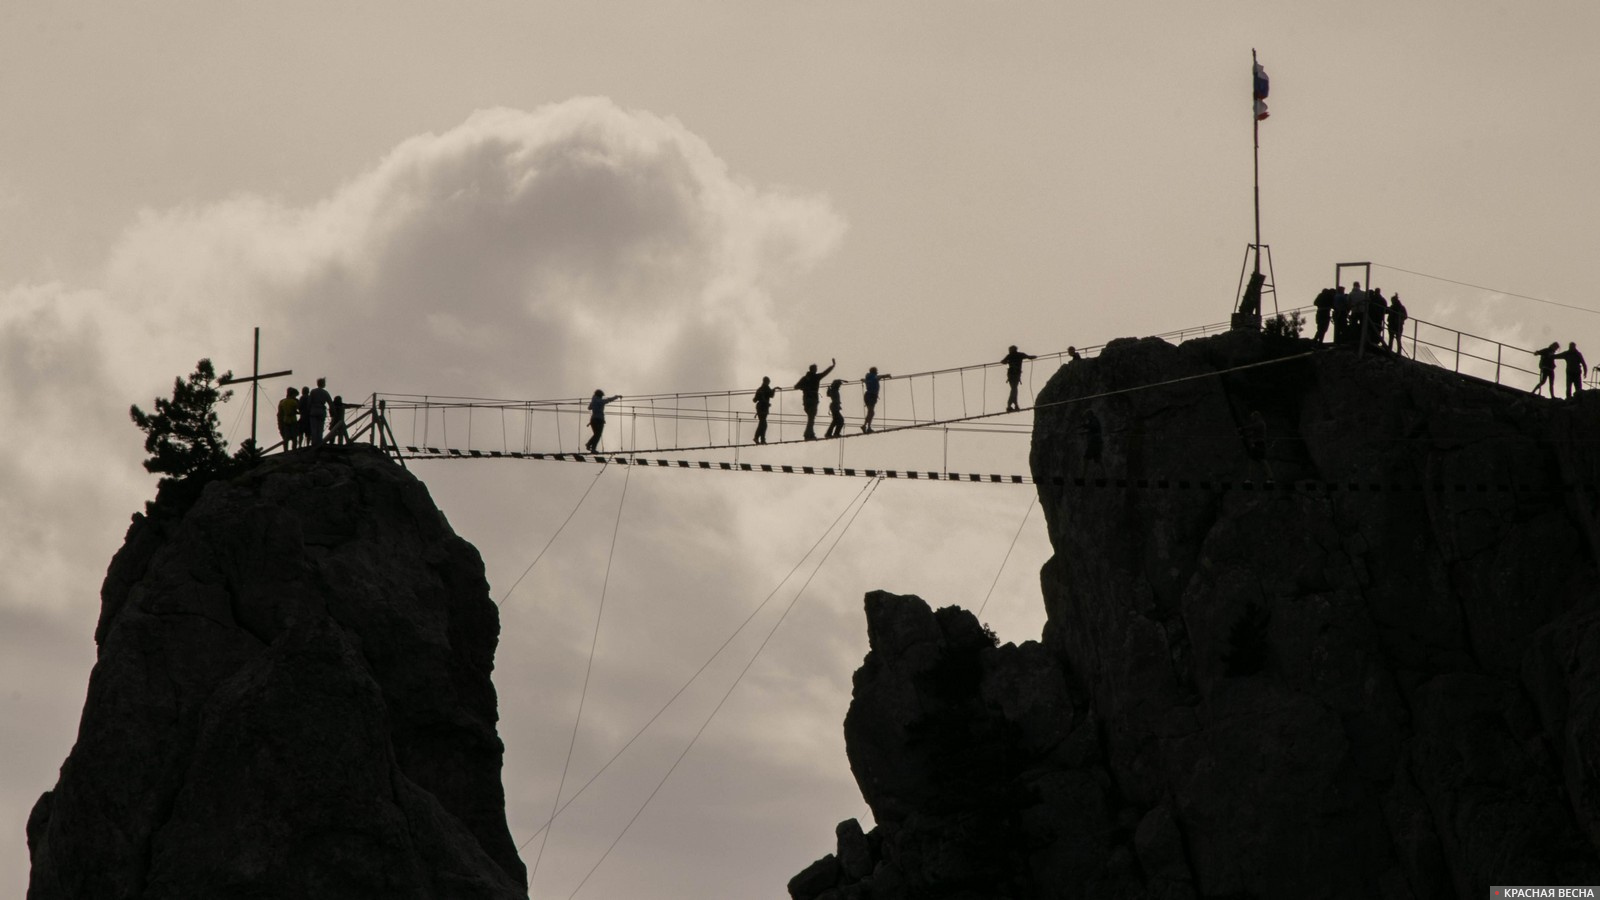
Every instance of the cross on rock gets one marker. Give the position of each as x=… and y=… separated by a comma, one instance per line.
x=255, y=376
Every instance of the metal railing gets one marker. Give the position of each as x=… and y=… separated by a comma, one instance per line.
x=1471, y=354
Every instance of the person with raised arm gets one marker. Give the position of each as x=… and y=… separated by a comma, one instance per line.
x=809, y=385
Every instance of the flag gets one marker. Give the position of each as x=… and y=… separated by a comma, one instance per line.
x=1261, y=86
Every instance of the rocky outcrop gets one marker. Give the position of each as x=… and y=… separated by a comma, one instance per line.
x=1381, y=677
x=292, y=698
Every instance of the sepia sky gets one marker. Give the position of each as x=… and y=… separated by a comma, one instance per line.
x=532, y=200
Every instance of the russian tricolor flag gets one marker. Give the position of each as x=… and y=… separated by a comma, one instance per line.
x=1261, y=86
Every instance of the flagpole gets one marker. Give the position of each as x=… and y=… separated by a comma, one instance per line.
x=1255, y=135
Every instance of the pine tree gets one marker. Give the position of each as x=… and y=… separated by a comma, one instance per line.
x=181, y=435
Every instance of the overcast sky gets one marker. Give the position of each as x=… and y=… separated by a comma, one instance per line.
x=530, y=200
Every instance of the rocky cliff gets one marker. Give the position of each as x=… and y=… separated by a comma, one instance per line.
x=292, y=698
x=1378, y=678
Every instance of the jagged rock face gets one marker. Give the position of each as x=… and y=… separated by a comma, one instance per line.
x=1388, y=692
x=292, y=698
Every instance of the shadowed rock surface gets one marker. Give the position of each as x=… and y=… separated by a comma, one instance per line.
x=292, y=698
x=1382, y=683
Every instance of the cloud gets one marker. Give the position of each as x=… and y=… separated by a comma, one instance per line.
x=530, y=253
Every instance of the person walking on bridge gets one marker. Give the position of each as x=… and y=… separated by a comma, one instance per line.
x=1547, y=367
x=808, y=386
x=597, y=417
x=835, y=409
x=1013, y=361
x=869, y=396
x=1576, y=368
x=763, y=402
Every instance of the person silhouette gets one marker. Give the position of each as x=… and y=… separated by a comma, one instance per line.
x=1397, y=322
x=1324, y=306
x=1547, y=367
x=808, y=386
x=1576, y=368
x=337, y=432
x=302, y=434
x=597, y=417
x=289, y=418
x=1013, y=362
x=869, y=396
x=763, y=402
x=835, y=409
x=1377, y=312
x=317, y=405
x=1072, y=353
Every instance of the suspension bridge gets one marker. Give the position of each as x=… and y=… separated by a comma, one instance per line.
x=715, y=430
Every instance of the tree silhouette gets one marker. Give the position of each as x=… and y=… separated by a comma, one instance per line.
x=181, y=435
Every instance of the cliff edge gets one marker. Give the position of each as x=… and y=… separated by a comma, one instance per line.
x=292, y=697
x=1378, y=678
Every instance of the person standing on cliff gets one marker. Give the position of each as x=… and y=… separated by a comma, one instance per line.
x=289, y=418
x=869, y=396
x=1547, y=367
x=597, y=417
x=1576, y=368
x=302, y=434
x=763, y=402
x=1324, y=305
x=808, y=386
x=1013, y=361
x=1397, y=322
x=337, y=433
x=1377, y=312
x=317, y=406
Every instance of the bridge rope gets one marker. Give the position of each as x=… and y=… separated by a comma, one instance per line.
x=703, y=666
x=588, y=670
x=729, y=692
x=1491, y=290
x=553, y=537
x=984, y=605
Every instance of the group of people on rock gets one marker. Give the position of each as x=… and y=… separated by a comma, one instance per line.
x=303, y=413
x=811, y=392
x=1359, y=316
x=1576, y=368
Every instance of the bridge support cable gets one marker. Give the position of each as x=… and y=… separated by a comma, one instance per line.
x=1491, y=290
x=570, y=514
x=984, y=605
x=588, y=670
x=703, y=666
x=740, y=677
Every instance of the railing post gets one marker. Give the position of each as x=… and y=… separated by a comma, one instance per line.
x=1498, y=347
x=1458, y=352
